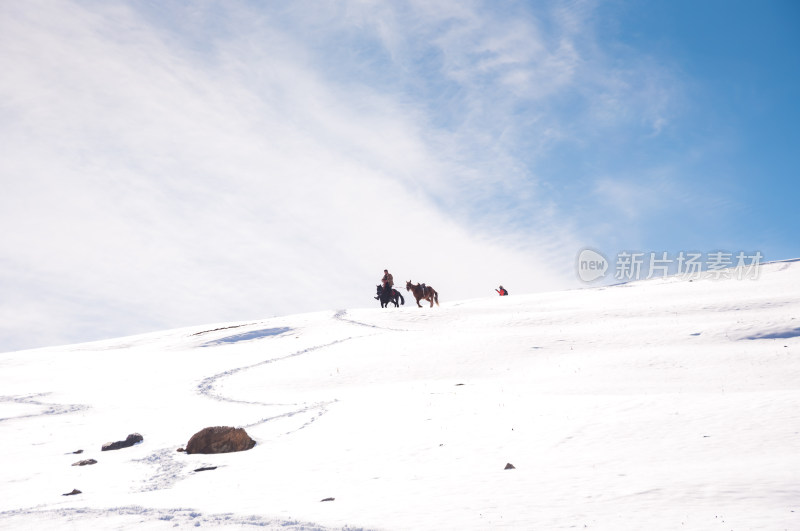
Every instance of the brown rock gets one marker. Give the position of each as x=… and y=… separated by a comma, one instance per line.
x=509, y=466
x=133, y=438
x=219, y=440
x=73, y=493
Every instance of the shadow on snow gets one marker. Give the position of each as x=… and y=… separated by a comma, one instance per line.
x=777, y=334
x=249, y=336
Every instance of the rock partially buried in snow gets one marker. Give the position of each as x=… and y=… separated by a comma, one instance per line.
x=509, y=466
x=133, y=438
x=73, y=493
x=219, y=440
x=85, y=462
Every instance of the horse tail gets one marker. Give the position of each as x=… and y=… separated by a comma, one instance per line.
x=402, y=300
x=436, y=297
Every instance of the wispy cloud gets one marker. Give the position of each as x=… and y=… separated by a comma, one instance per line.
x=177, y=164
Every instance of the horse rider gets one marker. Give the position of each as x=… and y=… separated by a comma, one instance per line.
x=502, y=291
x=387, y=280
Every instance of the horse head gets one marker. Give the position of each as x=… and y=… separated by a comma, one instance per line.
x=408, y=285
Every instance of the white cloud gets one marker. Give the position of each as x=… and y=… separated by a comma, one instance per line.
x=175, y=164
x=152, y=184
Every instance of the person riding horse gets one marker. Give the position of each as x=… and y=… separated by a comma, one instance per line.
x=387, y=296
x=387, y=281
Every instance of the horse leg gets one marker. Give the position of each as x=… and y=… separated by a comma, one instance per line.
x=418, y=304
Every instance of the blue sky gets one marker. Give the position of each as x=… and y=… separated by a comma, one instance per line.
x=169, y=164
x=734, y=133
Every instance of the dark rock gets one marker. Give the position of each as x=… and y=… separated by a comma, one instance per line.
x=204, y=468
x=133, y=438
x=219, y=440
x=509, y=466
x=328, y=499
x=181, y=449
x=73, y=493
x=78, y=452
x=85, y=462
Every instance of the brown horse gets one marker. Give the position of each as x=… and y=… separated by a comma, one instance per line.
x=420, y=292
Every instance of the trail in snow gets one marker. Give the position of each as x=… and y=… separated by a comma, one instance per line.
x=170, y=469
x=340, y=316
x=206, y=386
x=49, y=408
x=150, y=519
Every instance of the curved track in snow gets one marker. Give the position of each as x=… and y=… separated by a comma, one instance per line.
x=152, y=518
x=48, y=408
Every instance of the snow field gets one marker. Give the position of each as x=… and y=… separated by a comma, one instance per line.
x=663, y=404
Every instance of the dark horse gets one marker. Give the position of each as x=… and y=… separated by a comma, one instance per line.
x=423, y=292
x=390, y=295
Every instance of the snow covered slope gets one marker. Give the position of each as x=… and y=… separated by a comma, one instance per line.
x=664, y=404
